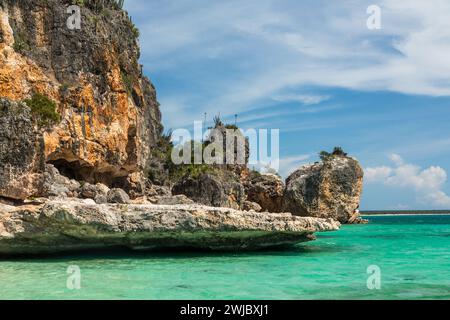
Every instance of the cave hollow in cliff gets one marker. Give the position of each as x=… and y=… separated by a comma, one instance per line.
x=80, y=171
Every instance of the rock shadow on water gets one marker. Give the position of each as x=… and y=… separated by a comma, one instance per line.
x=119, y=253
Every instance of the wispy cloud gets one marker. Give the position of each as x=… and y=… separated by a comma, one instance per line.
x=304, y=99
x=263, y=47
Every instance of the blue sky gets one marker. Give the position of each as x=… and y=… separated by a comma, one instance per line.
x=315, y=71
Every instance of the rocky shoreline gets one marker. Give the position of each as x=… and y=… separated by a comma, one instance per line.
x=85, y=162
x=74, y=225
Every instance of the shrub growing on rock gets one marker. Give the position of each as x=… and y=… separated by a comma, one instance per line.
x=337, y=152
x=43, y=109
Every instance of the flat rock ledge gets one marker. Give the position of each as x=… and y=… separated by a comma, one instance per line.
x=77, y=225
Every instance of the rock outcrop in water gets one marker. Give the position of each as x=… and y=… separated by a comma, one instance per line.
x=64, y=226
x=328, y=189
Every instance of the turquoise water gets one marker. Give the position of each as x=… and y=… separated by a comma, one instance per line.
x=412, y=252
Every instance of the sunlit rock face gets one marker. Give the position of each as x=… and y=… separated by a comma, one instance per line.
x=328, y=189
x=109, y=114
x=267, y=191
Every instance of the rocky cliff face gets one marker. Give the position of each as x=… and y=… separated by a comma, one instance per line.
x=328, y=189
x=20, y=157
x=109, y=117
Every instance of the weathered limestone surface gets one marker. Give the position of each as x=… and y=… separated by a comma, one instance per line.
x=328, y=189
x=21, y=152
x=221, y=189
x=61, y=226
x=110, y=117
x=266, y=190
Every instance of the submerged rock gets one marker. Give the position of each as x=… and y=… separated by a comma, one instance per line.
x=62, y=226
x=329, y=189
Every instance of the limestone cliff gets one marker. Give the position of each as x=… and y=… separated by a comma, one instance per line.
x=20, y=158
x=328, y=189
x=109, y=117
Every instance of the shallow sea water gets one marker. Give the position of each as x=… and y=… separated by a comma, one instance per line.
x=412, y=252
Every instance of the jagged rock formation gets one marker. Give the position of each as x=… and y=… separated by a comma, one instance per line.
x=109, y=115
x=328, y=189
x=219, y=189
x=56, y=185
x=78, y=225
x=266, y=190
x=230, y=138
x=219, y=184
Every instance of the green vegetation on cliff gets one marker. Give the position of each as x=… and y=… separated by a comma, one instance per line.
x=20, y=43
x=163, y=171
x=43, y=109
x=337, y=152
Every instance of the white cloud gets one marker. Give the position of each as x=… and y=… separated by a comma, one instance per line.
x=287, y=165
x=377, y=174
x=439, y=198
x=397, y=159
x=426, y=183
x=302, y=98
